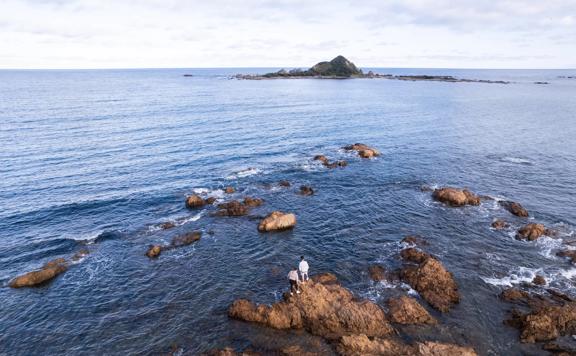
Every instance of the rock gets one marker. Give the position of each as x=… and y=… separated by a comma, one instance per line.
x=336, y=164
x=539, y=280
x=514, y=208
x=306, y=190
x=284, y=183
x=210, y=200
x=414, y=240
x=186, y=239
x=499, y=224
x=568, y=253
x=35, y=278
x=337, y=67
x=455, y=197
x=426, y=188
x=406, y=310
x=228, y=351
x=330, y=311
x=430, y=279
x=277, y=221
x=377, y=273
x=154, y=251
x=232, y=208
x=252, y=202
x=325, y=278
x=229, y=190
x=361, y=345
x=80, y=254
x=322, y=159
x=195, y=201
x=530, y=232
x=167, y=225
x=514, y=295
x=363, y=150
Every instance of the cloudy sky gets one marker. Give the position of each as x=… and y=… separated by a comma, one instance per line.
x=291, y=33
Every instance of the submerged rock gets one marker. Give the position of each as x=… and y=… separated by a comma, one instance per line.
x=327, y=310
x=322, y=159
x=430, y=279
x=186, y=239
x=194, y=201
x=514, y=208
x=276, y=221
x=531, y=232
x=514, y=295
x=47, y=273
x=407, y=310
x=306, y=190
x=363, y=150
x=568, y=253
x=253, y=202
x=284, y=183
x=539, y=280
x=232, y=208
x=456, y=197
x=154, y=251
x=377, y=273
x=210, y=200
x=80, y=254
x=499, y=224
x=167, y=225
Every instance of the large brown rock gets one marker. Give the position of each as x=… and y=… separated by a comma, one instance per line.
x=548, y=323
x=531, y=232
x=277, y=221
x=431, y=280
x=186, y=239
x=407, y=310
x=363, y=150
x=232, y=208
x=34, y=278
x=361, y=345
x=455, y=196
x=195, y=201
x=327, y=310
x=514, y=208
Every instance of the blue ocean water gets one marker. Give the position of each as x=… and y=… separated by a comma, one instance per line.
x=98, y=158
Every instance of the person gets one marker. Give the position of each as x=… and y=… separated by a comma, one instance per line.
x=303, y=267
x=293, y=278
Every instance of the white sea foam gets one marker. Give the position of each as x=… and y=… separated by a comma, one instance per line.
x=244, y=173
x=547, y=245
x=191, y=219
x=520, y=275
x=516, y=160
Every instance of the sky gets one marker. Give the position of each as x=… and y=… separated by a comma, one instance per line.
x=37, y=34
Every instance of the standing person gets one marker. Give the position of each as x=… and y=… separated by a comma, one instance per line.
x=303, y=267
x=293, y=278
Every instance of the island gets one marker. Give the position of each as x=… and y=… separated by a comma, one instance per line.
x=342, y=68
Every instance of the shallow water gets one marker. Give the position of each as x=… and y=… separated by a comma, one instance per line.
x=98, y=159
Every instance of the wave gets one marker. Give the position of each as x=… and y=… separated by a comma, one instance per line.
x=516, y=160
x=244, y=173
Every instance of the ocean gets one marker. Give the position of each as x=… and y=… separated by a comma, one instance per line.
x=98, y=159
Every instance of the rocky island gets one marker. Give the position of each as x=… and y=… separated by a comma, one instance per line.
x=342, y=68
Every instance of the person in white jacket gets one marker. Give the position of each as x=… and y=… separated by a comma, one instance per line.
x=303, y=267
x=293, y=278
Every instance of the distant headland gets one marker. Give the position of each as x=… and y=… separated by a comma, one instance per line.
x=342, y=68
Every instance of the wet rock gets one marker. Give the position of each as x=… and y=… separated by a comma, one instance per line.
x=363, y=150
x=327, y=310
x=514, y=295
x=297, y=350
x=154, y=251
x=571, y=254
x=455, y=197
x=186, y=239
x=539, y=280
x=277, y=221
x=531, y=232
x=228, y=351
x=210, y=200
x=322, y=159
x=485, y=197
x=284, y=183
x=430, y=348
x=414, y=240
x=407, y=310
x=167, y=225
x=430, y=279
x=337, y=164
x=80, y=254
x=325, y=278
x=232, y=208
x=377, y=273
x=514, y=208
x=35, y=278
x=229, y=190
x=499, y=224
x=253, y=202
x=306, y=190
x=194, y=201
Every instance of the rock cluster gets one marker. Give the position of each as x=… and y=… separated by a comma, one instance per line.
x=178, y=241
x=531, y=232
x=326, y=162
x=407, y=310
x=277, y=221
x=363, y=150
x=455, y=196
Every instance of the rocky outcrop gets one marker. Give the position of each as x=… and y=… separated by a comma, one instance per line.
x=186, y=239
x=329, y=164
x=277, y=221
x=514, y=208
x=325, y=278
x=195, y=201
x=514, y=295
x=306, y=190
x=531, y=232
x=232, y=208
x=546, y=322
x=455, y=196
x=327, y=310
x=407, y=310
x=253, y=202
x=363, y=150
x=377, y=273
x=361, y=345
x=430, y=279
x=499, y=224
x=338, y=67
x=43, y=275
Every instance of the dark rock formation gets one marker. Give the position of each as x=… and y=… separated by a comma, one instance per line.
x=456, y=197
x=306, y=190
x=514, y=208
x=186, y=239
x=430, y=279
x=194, y=201
x=338, y=67
x=232, y=208
x=35, y=278
x=531, y=232
x=277, y=221
x=407, y=310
